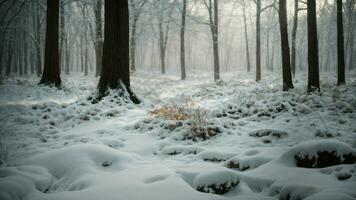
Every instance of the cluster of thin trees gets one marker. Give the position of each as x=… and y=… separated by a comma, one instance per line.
x=115, y=30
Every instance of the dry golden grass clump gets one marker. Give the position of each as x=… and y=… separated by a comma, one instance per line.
x=173, y=113
x=196, y=119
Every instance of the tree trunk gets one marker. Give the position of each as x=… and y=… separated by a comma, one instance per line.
x=162, y=49
x=340, y=45
x=62, y=35
x=99, y=36
x=246, y=40
x=10, y=55
x=258, y=40
x=287, y=76
x=67, y=58
x=294, y=35
x=182, y=41
x=115, y=73
x=133, y=44
x=216, y=42
x=313, y=52
x=51, y=73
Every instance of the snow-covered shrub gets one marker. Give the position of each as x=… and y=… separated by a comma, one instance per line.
x=217, y=182
x=268, y=132
x=193, y=120
x=319, y=154
x=215, y=156
x=243, y=163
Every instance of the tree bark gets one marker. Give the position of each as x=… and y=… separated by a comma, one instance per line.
x=182, y=41
x=51, y=72
x=115, y=73
x=215, y=34
x=258, y=40
x=62, y=35
x=246, y=40
x=313, y=52
x=99, y=36
x=287, y=76
x=340, y=45
x=133, y=43
x=294, y=35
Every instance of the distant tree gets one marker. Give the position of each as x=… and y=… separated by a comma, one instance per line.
x=259, y=11
x=115, y=72
x=258, y=40
x=313, y=52
x=287, y=76
x=351, y=25
x=98, y=43
x=243, y=5
x=51, y=71
x=182, y=40
x=164, y=10
x=294, y=35
x=213, y=11
x=136, y=9
x=340, y=45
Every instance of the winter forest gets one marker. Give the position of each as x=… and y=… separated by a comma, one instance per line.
x=177, y=99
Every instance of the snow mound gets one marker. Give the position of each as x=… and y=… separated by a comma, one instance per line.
x=217, y=182
x=331, y=195
x=267, y=135
x=72, y=165
x=243, y=163
x=185, y=150
x=293, y=191
x=215, y=156
x=319, y=154
x=17, y=182
x=268, y=132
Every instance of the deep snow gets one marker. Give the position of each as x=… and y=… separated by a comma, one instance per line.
x=254, y=138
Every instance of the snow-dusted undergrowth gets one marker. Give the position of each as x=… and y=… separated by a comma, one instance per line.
x=235, y=139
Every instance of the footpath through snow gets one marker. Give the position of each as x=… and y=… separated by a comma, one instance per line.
x=193, y=139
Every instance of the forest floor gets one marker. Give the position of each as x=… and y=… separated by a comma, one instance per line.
x=192, y=139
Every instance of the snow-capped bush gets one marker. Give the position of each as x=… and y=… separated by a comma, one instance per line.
x=319, y=154
x=217, y=182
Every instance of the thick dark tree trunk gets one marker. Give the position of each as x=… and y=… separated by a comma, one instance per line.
x=182, y=42
x=340, y=45
x=313, y=51
x=115, y=72
x=99, y=36
x=294, y=35
x=51, y=72
x=258, y=40
x=287, y=76
x=246, y=40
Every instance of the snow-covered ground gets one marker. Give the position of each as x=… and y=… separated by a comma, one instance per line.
x=235, y=139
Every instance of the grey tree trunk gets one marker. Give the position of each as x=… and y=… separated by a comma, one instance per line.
x=246, y=40
x=99, y=36
x=294, y=35
x=182, y=41
x=133, y=44
x=258, y=40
